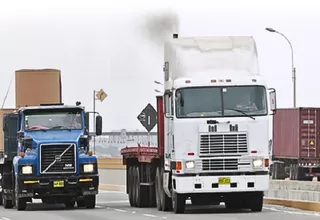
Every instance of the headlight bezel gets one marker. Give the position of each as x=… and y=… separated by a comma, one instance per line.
x=27, y=167
x=258, y=163
x=93, y=170
x=190, y=162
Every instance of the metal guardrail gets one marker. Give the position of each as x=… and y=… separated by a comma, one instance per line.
x=110, y=163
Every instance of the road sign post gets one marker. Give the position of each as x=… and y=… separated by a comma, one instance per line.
x=148, y=118
x=97, y=95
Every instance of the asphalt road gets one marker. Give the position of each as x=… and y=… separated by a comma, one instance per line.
x=114, y=206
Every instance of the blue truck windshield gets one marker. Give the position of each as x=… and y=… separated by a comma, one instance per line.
x=53, y=120
x=198, y=102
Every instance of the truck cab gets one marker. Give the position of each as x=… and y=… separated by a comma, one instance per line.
x=216, y=122
x=53, y=161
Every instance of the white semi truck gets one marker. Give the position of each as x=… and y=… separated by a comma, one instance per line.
x=213, y=129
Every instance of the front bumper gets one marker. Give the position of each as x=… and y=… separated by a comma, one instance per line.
x=44, y=186
x=210, y=184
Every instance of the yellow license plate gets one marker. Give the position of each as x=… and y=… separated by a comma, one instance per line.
x=58, y=183
x=224, y=180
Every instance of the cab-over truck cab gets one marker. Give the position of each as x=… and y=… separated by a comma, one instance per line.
x=52, y=159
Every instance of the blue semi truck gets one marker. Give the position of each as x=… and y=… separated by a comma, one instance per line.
x=46, y=156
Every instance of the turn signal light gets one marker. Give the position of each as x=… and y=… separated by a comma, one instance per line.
x=266, y=162
x=21, y=154
x=90, y=153
x=178, y=165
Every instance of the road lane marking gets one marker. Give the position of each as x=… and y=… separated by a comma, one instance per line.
x=293, y=212
x=148, y=215
x=120, y=210
x=5, y=218
x=110, y=202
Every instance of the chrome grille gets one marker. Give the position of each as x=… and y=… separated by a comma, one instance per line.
x=219, y=164
x=223, y=144
x=57, y=158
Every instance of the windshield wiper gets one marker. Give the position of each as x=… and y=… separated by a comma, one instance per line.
x=242, y=112
x=59, y=126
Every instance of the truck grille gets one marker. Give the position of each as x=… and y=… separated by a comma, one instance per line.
x=223, y=144
x=57, y=158
x=219, y=164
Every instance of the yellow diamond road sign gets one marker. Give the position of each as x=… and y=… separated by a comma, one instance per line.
x=101, y=95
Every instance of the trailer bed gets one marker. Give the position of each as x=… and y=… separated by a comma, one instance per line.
x=141, y=153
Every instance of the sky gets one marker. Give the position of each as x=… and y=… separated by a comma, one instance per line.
x=117, y=46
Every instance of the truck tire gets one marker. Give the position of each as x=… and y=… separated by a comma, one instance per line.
x=142, y=194
x=131, y=187
x=1, y=200
x=7, y=204
x=256, y=202
x=90, y=201
x=69, y=203
x=178, y=203
x=21, y=203
x=163, y=201
x=80, y=203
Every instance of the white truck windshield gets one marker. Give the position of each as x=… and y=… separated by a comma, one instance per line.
x=53, y=120
x=198, y=102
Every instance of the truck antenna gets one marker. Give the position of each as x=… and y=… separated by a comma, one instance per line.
x=5, y=98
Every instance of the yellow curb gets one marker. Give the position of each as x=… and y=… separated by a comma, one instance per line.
x=110, y=163
x=109, y=187
x=298, y=204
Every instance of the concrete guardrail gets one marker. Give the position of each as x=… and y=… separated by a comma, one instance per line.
x=303, y=195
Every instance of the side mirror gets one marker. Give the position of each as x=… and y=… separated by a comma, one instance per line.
x=87, y=119
x=98, y=125
x=273, y=100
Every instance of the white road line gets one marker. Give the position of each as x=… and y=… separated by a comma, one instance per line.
x=110, y=202
x=5, y=218
x=148, y=215
x=293, y=212
x=120, y=210
x=108, y=191
x=97, y=206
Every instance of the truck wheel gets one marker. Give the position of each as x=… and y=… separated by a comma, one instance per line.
x=233, y=204
x=7, y=204
x=90, y=201
x=130, y=187
x=81, y=203
x=158, y=190
x=21, y=203
x=166, y=201
x=69, y=203
x=178, y=203
x=257, y=202
x=1, y=200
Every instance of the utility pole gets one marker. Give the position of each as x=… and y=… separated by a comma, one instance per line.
x=97, y=95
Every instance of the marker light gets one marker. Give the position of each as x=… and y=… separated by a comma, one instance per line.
x=27, y=170
x=187, y=81
x=213, y=80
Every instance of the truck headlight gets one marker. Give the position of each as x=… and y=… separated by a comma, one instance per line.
x=190, y=164
x=88, y=168
x=27, y=170
x=257, y=163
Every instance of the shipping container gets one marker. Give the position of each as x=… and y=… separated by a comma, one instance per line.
x=296, y=141
x=38, y=86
